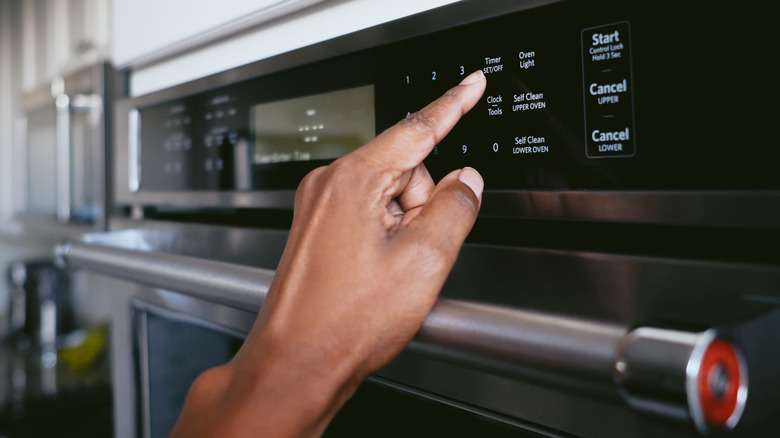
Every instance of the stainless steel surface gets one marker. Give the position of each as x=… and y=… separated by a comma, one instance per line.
x=653, y=367
x=235, y=285
x=561, y=345
x=571, y=347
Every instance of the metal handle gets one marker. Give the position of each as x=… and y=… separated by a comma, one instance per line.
x=657, y=370
x=64, y=146
x=134, y=151
x=63, y=158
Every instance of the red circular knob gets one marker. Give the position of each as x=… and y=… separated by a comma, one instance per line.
x=720, y=379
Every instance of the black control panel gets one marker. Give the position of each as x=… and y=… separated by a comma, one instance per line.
x=590, y=95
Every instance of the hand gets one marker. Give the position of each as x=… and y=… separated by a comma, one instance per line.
x=372, y=242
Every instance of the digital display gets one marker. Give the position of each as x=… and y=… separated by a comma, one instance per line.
x=317, y=127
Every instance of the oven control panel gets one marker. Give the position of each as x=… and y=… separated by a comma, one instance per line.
x=596, y=95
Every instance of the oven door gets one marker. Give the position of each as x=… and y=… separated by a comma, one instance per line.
x=592, y=354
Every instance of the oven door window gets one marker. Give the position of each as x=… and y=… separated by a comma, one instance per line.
x=172, y=351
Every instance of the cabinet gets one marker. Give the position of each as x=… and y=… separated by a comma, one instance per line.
x=62, y=36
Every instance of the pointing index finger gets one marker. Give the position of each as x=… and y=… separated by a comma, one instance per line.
x=406, y=144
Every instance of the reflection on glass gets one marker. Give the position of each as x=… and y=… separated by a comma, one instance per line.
x=318, y=127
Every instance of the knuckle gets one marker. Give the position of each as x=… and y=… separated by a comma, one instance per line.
x=421, y=122
x=309, y=185
x=311, y=180
x=464, y=198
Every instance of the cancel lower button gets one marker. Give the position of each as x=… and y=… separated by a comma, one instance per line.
x=610, y=143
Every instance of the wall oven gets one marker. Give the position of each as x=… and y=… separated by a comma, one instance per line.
x=66, y=132
x=620, y=279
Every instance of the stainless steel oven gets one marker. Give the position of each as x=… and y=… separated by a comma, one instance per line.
x=66, y=133
x=621, y=279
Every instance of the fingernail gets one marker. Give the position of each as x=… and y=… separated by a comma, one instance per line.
x=473, y=78
x=473, y=179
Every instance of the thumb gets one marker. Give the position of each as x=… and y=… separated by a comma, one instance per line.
x=447, y=217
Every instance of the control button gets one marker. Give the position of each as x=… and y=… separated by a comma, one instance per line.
x=231, y=112
x=493, y=64
x=168, y=123
x=233, y=137
x=168, y=168
x=219, y=114
x=607, y=88
x=208, y=116
x=528, y=102
x=168, y=145
x=209, y=165
x=208, y=141
x=177, y=167
x=218, y=139
x=533, y=145
x=494, y=103
x=218, y=164
x=187, y=144
x=177, y=145
x=527, y=59
x=186, y=120
x=720, y=384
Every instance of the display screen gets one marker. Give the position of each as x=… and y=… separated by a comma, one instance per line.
x=318, y=127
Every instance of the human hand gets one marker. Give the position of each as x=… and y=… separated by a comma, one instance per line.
x=372, y=242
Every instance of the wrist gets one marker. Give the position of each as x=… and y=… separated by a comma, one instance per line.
x=299, y=386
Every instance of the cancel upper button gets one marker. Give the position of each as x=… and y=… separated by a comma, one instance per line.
x=608, y=93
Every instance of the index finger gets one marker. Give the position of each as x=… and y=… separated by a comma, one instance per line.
x=406, y=144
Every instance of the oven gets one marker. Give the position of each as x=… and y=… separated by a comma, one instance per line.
x=67, y=124
x=621, y=278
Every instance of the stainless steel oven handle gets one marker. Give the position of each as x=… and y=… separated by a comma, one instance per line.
x=63, y=158
x=235, y=285
x=654, y=369
x=65, y=105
